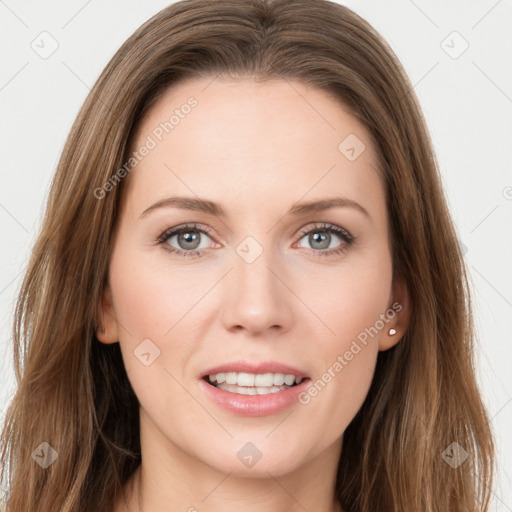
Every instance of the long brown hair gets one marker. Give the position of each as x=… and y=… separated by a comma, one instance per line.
x=73, y=392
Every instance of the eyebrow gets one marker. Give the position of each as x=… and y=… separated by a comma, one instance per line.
x=215, y=209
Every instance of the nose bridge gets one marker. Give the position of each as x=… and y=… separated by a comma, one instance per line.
x=252, y=269
x=257, y=299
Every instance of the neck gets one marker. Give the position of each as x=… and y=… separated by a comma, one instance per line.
x=170, y=478
x=282, y=501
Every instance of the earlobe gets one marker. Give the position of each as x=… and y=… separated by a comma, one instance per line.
x=107, y=332
x=395, y=329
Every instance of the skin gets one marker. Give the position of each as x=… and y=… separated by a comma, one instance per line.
x=256, y=149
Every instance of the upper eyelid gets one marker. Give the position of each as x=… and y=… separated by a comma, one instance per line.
x=326, y=226
x=174, y=230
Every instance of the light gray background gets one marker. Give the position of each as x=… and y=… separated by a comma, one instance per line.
x=467, y=101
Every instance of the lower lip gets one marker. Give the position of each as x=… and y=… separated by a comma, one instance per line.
x=254, y=405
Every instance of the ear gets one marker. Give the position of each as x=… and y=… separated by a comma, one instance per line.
x=400, y=304
x=108, y=331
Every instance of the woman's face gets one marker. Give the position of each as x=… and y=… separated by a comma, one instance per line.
x=256, y=287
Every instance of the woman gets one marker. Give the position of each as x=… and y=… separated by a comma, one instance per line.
x=182, y=343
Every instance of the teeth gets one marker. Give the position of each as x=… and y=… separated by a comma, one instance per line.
x=231, y=378
x=265, y=379
x=232, y=388
x=245, y=379
x=220, y=377
x=249, y=380
x=279, y=379
x=289, y=380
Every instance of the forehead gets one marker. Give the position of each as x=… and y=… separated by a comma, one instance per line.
x=225, y=139
x=258, y=108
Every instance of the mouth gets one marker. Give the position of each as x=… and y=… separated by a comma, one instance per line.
x=243, y=383
x=250, y=388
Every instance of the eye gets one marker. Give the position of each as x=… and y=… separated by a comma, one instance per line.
x=188, y=239
x=320, y=237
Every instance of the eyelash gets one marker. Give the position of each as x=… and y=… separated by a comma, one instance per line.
x=348, y=238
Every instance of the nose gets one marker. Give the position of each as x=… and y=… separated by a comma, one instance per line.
x=256, y=297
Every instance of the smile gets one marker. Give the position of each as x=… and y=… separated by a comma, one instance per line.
x=253, y=383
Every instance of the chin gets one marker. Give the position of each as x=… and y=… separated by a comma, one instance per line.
x=256, y=458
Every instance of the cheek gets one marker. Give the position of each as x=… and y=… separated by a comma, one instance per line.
x=150, y=298
x=351, y=305
x=150, y=303
x=350, y=299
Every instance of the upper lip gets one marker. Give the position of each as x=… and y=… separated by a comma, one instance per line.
x=255, y=367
